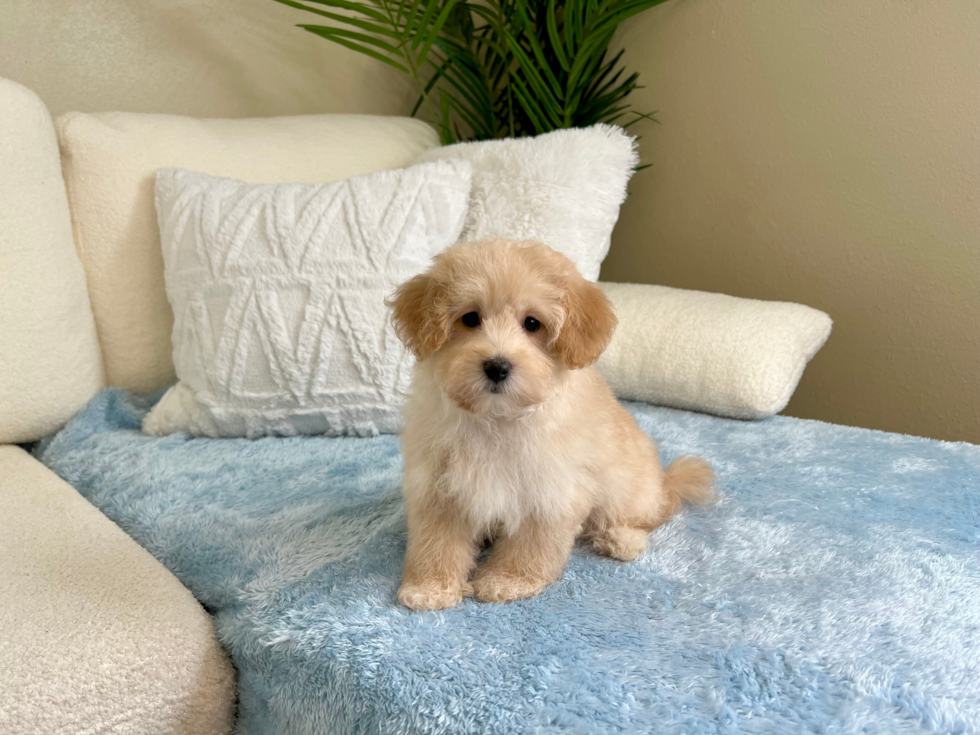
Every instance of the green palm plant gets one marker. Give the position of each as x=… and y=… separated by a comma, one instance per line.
x=495, y=68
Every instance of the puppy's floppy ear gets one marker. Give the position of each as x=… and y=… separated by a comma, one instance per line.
x=420, y=314
x=589, y=323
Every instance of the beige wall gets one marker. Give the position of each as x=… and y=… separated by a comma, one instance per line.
x=827, y=153
x=822, y=152
x=207, y=58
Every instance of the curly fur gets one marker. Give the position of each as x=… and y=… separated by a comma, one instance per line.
x=535, y=461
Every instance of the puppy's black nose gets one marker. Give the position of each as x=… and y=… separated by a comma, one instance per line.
x=497, y=369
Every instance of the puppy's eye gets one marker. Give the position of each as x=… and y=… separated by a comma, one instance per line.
x=471, y=319
x=531, y=324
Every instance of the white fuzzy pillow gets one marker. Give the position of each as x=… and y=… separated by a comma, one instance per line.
x=708, y=352
x=278, y=291
x=562, y=188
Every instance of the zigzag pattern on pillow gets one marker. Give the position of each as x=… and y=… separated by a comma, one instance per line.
x=278, y=294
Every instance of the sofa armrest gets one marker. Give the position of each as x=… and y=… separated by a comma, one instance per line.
x=95, y=634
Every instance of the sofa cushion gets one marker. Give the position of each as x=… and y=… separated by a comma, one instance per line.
x=50, y=363
x=95, y=635
x=109, y=162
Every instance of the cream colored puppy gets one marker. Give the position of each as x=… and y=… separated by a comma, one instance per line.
x=511, y=436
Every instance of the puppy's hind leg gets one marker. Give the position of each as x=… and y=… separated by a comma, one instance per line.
x=524, y=563
x=624, y=543
x=686, y=480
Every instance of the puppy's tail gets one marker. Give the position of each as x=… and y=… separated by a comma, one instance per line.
x=687, y=479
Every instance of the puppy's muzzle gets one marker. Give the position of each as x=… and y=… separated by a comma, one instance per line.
x=497, y=369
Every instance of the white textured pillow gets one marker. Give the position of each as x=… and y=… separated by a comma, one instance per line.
x=709, y=352
x=278, y=291
x=562, y=188
x=109, y=161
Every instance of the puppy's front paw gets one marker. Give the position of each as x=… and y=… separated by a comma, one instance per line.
x=495, y=586
x=430, y=596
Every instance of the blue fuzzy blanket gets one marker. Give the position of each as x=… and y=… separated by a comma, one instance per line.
x=834, y=589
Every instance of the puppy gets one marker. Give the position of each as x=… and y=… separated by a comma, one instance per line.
x=511, y=435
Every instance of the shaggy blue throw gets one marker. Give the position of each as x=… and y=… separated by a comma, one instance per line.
x=834, y=589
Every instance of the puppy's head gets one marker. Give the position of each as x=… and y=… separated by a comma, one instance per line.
x=499, y=322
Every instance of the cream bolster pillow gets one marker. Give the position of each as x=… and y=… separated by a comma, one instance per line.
x=709, y=352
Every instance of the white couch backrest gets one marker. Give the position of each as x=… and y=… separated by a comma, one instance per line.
x=109, y=162
x=50, y=363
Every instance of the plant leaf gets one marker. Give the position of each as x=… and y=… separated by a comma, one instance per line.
x=364, y=25
x=499, y=67
x=331, y=34
x=556, y=43
x=334, y=33
x=356, y=7
x=436, y=30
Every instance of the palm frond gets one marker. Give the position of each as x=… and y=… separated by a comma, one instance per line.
x=495, y=68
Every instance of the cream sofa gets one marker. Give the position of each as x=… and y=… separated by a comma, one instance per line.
x=95, y=634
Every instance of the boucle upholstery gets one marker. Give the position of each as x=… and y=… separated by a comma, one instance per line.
x=95, y=634
x=707, y=351
x=50, y=360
